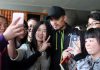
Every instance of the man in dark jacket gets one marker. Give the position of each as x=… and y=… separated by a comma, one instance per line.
x=60, y=35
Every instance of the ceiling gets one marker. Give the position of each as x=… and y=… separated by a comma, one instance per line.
x=67, y=4
x=78, y=9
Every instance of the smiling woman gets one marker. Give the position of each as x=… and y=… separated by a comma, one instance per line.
x=92, y=61
x=3, y=24
x=37, y=50
x=94, y=19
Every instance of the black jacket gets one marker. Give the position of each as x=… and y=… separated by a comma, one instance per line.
x=56, y=44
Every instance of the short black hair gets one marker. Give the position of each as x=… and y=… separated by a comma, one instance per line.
x=93, y=33
x=95, y=14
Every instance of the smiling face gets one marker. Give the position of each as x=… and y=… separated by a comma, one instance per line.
x=93, y=23
x=92, y=46
x=41, y=33
x=3, y=25
x=57, y=23
x=31, y=24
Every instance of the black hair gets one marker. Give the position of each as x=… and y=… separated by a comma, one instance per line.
x=95, y=14
x=33, y=19
x=25, y=25
x=33, y=43
x=26, y=28
x=93, y=33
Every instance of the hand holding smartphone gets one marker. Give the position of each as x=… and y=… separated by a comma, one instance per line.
x=17, y=15
x=74, y=43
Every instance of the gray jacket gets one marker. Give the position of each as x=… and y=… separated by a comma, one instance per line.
x=88, y=64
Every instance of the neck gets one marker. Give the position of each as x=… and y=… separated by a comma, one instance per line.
x=96, y=56
x=63, y=27
x=29, y=39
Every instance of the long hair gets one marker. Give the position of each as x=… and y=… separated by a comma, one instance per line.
x=33, y=43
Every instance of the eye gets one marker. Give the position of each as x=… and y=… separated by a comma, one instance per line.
x=44, y=31
x=30, y=25
x=97, y=23
x=91, y=40
x=38, y=30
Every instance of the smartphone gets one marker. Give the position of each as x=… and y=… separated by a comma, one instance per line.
x=17, y=15
x=74, y=38
x=74, y=42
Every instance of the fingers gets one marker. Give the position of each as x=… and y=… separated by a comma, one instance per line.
x=65, y=54
x=48, y=39
x=19, y=33
x=48, y=44
x=43, y=38
x=68, y=49
x=19, y=29
x=16, y=21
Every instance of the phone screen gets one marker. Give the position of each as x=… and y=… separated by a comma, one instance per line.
x=74, y=42
x=17, y=15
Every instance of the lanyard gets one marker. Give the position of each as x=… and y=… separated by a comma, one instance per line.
x=61, y=40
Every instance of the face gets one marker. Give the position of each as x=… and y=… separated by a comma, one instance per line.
x=3, y=25
x=92, y=46
x=31, y=24
x=58, y=23
x=41, y=33
x=93, y=23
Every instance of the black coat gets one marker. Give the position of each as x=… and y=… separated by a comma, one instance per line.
x=56, y=44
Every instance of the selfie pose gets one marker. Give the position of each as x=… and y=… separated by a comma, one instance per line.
x=37, y=49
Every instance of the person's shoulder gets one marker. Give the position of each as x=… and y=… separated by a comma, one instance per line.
x=23, y=46
x=84, y=59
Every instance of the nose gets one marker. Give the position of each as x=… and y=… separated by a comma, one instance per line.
x=30, y=29
x=2, y=28
x=41, y=32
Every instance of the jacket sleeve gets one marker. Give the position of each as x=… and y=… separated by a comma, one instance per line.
x=26, y=63
x=3, y=41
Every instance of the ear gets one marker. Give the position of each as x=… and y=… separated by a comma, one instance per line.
x=65, y=18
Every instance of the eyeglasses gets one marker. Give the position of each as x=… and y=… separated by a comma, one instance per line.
x=93, y=24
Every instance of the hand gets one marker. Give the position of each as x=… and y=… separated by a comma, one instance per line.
x=66, y=53
x=77, y=49
x=45, y=44
x=13, y=30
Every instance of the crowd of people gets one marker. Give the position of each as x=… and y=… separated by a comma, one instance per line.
x=51, y=44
